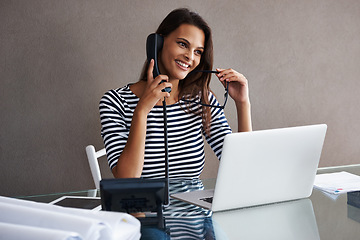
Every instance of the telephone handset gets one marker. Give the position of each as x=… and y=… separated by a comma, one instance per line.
x=154, y=44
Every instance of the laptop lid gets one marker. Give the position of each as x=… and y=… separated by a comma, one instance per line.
x=262, y=167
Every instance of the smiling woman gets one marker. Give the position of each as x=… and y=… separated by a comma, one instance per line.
x=181, y=52
x=132, y=119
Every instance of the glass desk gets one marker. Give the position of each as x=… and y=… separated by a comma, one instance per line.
x=322, y=216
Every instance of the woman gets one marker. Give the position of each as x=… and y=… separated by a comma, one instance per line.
x=131, y=116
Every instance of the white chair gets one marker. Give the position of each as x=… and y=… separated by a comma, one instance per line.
x=94, y=164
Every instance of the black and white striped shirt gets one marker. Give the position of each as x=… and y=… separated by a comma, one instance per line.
x=185, y=134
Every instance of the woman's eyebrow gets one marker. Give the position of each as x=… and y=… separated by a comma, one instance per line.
x=187, y=42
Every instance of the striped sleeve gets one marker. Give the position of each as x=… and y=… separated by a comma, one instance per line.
x=219, y=128
x=115, y=120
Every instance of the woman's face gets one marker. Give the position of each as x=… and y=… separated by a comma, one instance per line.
x=182, y=51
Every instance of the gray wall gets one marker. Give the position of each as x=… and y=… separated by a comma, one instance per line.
x=57, y=58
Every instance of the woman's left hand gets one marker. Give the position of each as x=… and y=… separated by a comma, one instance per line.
x=238, y=87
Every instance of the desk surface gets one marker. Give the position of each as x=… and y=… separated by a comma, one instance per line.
x=322, y=216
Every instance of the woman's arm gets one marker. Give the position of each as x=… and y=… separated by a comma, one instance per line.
x=244, y=116
x=239, y=91
x=131, y=160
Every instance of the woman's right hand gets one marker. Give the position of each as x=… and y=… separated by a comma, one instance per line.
x=153, y=93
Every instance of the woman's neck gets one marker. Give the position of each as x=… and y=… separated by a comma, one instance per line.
x=174, y=94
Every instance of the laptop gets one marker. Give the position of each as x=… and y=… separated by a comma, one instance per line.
x=263, y=167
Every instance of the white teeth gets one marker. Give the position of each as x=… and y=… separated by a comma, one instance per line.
x=182, y=64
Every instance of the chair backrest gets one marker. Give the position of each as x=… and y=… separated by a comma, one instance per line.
x=93, y=156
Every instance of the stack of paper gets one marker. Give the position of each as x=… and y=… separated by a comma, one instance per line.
x=337, y=183
x=20, y=219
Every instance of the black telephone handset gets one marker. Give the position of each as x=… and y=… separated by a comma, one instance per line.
x=154, y=44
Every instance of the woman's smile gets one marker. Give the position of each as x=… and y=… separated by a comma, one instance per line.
x=182, y=65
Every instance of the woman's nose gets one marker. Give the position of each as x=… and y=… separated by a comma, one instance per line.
x=189, y=55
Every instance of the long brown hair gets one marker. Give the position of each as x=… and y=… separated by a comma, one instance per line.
x=194, y=85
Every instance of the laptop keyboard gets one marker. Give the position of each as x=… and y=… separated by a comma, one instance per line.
x=208, y=199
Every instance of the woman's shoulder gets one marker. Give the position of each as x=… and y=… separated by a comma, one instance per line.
x=120, y=96
x=121, y=93
x=212, y=97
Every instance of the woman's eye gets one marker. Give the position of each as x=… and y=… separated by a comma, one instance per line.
x=182, y=44
x=199, y=52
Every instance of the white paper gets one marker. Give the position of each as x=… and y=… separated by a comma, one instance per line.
x=21, y=232
x=88, y=224
x=337, y=183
